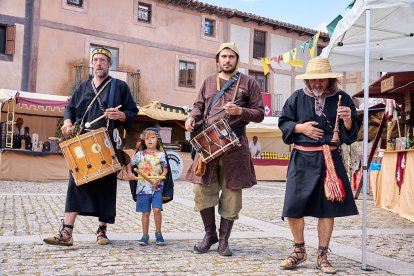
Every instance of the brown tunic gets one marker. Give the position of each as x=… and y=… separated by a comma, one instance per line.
x=237, y=164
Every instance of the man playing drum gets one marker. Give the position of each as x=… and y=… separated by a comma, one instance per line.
x=90, y=100
x=233, y=170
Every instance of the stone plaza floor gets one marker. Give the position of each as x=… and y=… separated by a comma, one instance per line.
x=30, y=211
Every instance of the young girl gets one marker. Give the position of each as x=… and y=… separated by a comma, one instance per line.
x=151, y=161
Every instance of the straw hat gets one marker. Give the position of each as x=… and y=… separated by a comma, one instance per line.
x=318, y=68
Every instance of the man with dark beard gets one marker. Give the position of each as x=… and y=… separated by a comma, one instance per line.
x=90, y=100
x=317, y=184
x=233, y=170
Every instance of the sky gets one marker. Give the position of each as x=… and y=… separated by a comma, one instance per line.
x=305, y=13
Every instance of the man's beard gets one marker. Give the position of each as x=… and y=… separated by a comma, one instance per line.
x=230, y=71
x=318, y=91
x=101, y=74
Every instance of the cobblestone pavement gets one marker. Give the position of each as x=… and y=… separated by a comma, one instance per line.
x=29, y=211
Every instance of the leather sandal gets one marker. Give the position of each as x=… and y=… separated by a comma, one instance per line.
x=295, y=257
x=101, y=237
x=322, y=262
x=59, y=238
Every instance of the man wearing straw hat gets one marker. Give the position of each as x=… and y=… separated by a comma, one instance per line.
x=317, y=184
x=226, y=175
x=91, y=100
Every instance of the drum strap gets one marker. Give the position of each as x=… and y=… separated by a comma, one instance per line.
x=112, y=93
x=226, y=86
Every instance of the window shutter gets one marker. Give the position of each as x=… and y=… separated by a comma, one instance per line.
x=10, y=39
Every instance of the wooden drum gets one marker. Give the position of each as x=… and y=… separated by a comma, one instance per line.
x=215, y=140
x=90, y=156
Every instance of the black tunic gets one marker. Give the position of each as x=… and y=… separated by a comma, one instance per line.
x=97, y=198
x=304, y=194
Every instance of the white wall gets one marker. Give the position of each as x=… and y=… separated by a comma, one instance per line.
x=282, y=85
x=280, y=45
x=241, y=36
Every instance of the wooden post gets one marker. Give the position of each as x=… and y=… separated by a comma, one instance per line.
x=371, y=155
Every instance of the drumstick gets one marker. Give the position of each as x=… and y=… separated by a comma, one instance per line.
x=159, y=177
x=214, y=114
x=146, y=177
x=88, y=124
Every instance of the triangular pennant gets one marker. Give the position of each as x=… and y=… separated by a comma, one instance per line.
x=296, y=63
x=309, y=44
x=276, y=59
x=331, y=26
x=265, y=66
x=286, y=57
x=293, y=52
x=269, y=64
x=302, y=47
x=313, y=51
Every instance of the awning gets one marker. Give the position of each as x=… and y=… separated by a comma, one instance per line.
x=402, y=81
x=162, y=115
x=268, y=125
x=35, y=103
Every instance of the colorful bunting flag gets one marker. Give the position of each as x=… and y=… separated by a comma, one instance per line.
x=302, y=47
x=309, y=43
x=313, y=51
x=265, y=66
x=269, y=64
x=286, y=57
x=331, y=26
x=277, y=59
x=293, y=52
x=296, y=63
x=290, y=56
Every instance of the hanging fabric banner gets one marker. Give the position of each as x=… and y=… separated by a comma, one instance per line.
x=400, y=168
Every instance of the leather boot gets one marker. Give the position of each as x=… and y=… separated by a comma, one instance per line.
x=224, y=233
x=210, y=237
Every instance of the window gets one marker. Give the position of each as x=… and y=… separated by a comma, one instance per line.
x=186, y=74
x=144, y=12
x=7, y=39
x=259, y=44
x=261, y=80
x=209, y=27
x=2, y=39
x=77, y=3
x=114, y=51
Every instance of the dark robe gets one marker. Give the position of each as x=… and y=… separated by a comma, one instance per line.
x=97, y=198
x=306, y=172
x=237, y=164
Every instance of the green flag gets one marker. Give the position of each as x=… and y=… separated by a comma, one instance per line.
x=331, y=26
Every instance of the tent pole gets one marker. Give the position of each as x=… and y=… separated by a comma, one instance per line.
x=365, y=141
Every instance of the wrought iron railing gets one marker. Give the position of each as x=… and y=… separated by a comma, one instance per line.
x=277, y=104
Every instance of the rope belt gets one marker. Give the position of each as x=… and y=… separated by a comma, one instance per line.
x=333, y=186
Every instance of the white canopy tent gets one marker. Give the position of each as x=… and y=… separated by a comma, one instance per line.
x=391, y=40
x=374, y=36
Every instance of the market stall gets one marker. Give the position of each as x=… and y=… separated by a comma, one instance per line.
x=393, y=184
x=40, y=113
x=274, y=158
x=393, y=188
